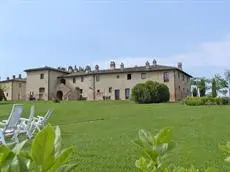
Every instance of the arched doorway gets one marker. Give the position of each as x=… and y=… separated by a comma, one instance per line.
x=59, y=95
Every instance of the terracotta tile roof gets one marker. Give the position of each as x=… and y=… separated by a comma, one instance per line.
x=46, y=68
x=126, y=70
x=16, y=79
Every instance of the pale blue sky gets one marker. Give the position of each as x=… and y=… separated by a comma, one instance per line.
x=36, y=33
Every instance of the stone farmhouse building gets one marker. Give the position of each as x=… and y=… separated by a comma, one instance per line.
x=15, y=88
x=115, y=83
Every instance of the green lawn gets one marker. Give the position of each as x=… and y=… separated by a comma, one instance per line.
x=103, y=131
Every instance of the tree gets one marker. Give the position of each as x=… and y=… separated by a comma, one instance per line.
x=202, y=87
x=194, y=92
x=214, y=90
x=221, y=84
x=2, y=95
x=227, y=77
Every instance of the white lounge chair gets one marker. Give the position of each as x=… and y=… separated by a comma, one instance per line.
x=10, y=128
x=40, y=121
x=27, y=125
x=32, y=124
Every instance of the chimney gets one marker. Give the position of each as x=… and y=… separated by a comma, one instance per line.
x=97, y=68
x=112, y=65
x=154, y=62
x=14, y=77
x=147, y=65
x=20, y=76
x=122, y=66
x=179, y=65
x=8, y=78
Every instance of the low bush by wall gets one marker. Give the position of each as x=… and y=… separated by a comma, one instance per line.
x=150, y=92
x=199, y=101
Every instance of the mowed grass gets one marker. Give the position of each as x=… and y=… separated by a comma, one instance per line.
x=103, y=131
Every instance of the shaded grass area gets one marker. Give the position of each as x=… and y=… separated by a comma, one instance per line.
x=103, y=131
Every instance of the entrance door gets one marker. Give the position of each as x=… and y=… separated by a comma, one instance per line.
x=117, y=94
x=60, y=95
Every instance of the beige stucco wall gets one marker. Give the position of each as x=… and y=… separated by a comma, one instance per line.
x=54, y=82
x=7, y=86
x=14, y=90
x=182, y=84
x=177, y=86
x=86, y=85
x=19, y=90
x=50, y=83
x=34, y=83
x=121, y=83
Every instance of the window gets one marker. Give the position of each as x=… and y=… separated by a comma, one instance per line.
x=166, y=77
x=129, y=76
x=81, y=91
x=20, y=85
x=118, y=76
x=110, y=89
x=127, y=92
x=143, y=76
x=98, y=91
x=42, y=76
x=62, y=81
x=7, y=94
x=97, y=78
x=82, y=78
x=74, y=80
x=41, y=93
x=41, y=90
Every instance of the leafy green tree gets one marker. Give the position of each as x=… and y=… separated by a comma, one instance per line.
x=221, y=84
x=2, y=95
x=227, y=77
x=214, y=89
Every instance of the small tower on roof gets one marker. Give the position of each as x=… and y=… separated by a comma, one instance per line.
x=154, y=62
x=147, y=65
x=112, y=65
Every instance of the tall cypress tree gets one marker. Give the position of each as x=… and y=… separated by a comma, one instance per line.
x=194, y=92
x=214, y=89
x=202, y=88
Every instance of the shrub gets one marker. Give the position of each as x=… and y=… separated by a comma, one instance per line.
x=154, y=149
x=163, y=93
x=150, y=92
x=45, y=154
x=141, y=93
x=225, y=100
x=56, y=100
x=2, y=95
x=198, y=101
x=194, y=101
